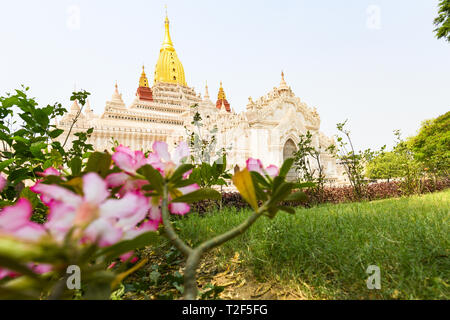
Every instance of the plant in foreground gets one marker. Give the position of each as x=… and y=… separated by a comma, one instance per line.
x=113, y=207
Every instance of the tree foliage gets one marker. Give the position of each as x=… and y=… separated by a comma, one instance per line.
x=386, y=165
x=442, y=22
x=431, y=145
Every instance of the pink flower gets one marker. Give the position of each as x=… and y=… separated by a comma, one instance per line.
x=160, y=158
x=126, y=182
x=182, y=208
x=127, y=256
x=128, y=160
x=3, y=182
x=102, y=220
x=257, y=166
x=49, y=172
x=15, y=221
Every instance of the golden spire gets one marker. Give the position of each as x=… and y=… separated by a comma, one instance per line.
x=167, y=43
x=169, y=68
x=221, y=95
x=143, y=81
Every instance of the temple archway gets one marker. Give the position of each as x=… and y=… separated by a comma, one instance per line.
x=288, y=152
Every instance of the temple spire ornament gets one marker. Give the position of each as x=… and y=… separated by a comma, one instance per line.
x=116, y=97
x=283, y=85
x=169, y=68
x=167, y=43
x=143, y=81
x=222, y=100
x=206, y=96
x=143, y=91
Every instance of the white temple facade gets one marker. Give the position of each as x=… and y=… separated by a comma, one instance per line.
x=269, y=129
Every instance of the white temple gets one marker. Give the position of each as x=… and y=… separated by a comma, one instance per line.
x=269, y=129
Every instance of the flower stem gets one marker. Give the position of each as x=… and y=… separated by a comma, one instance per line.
x=193, y=255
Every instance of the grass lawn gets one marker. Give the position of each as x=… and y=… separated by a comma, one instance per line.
x=326, y=250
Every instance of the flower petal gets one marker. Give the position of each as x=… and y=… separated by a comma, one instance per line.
x=272, y=171
x=103, y=231
x=146, y=226
x=124, y=161
x=181, y=152
x=94, y=188
x=16, y=216
x=30, y=231
x=60, y=219
x=255, y=165
x=116, y=179
x=190, y=188
x=121, y=208
x=180, y=208
x=54, y=192
x=49, y=172
x=161, y=150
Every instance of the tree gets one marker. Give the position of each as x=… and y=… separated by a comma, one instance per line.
x=431, y=145
x=354, y=162
x=442, y=22
x=411, y=170
x=384, y=166
x=308, y=163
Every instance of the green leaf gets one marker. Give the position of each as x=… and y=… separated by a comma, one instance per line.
x=287, y=209
x=258, y=178
x=201, y=194
x=304, y=185
x=182, y=169
x=75, y=166
x=14, y=265
x=36, y=148
x=99, y=162
x=5, y=163
x=55, y=133
x=296, y=196
x=244, y=183
x=285, y=167
x=31, y=196
x=281, y=193
x=153, y=176
x=18, y=175
x=41, y=118
x=20, y=139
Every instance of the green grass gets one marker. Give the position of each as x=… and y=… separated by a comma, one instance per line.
x=326, y=250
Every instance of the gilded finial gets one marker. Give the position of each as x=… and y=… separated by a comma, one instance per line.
x=221, y=95
x=143, y=81
x=167, y=43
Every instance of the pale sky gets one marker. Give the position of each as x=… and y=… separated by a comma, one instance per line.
x=374, y=62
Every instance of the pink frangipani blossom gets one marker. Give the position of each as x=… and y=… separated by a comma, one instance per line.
x=257, y=166
x=102, y=220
